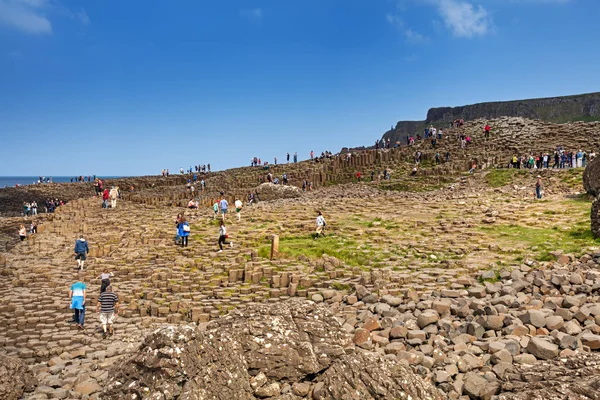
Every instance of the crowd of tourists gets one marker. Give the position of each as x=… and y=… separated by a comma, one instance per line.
x=560, y=159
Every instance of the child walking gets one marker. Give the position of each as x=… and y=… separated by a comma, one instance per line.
x=223, y=237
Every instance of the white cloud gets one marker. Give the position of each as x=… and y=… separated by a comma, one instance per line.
x=25, y=16
x=82, y=16
x=464, y=19
x=414, y=37
x=252, y=13
x=394, y=20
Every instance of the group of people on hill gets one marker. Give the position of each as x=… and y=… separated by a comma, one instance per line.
x=82, y=178
x=30, y=209
x=560, y=159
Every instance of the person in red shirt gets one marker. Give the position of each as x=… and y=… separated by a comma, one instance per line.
x=105, y=196
x=358, y=176
x=487, y=130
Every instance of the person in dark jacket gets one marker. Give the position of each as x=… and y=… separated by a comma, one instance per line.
x=81, y=250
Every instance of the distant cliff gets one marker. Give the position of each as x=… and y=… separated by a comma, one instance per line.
x=583, y=107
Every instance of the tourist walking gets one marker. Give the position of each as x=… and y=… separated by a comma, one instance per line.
x=538, y=187
x=105, y=279
x=81, y=250
x=216, y=209
x=114, y=194
x=183, y=230
x=238, y=208
x=223, y=237
x=223, y=204
x=105, y=196
x=320, y=225
x=77, y=299
x=108, y=308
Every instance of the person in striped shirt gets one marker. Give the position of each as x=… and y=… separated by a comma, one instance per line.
x=108, y=307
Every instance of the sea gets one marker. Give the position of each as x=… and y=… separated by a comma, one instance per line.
x=11, y=181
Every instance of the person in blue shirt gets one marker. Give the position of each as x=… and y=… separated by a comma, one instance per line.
x=77, y=299
x=224, y=205
x=183, y=230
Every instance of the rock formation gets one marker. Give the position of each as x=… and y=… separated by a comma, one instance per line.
x=591, y=183
x=574, y=378
x=584, y=107
x=15, y=378
x=291, y=350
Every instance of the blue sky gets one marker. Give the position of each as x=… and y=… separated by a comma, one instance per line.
x=130, y=87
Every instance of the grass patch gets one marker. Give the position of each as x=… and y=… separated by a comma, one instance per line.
x=542, y=241
x=345, y=250
x=499, y=177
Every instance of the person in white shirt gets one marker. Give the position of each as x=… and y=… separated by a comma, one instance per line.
x=238, y=208
x=320, y=225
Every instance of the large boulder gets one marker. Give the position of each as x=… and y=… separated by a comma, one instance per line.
x=574, y=378
x=260, y=352
x=15, y=378
x=591, y=177
x=270, y=191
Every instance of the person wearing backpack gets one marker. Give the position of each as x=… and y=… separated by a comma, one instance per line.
x=183, y=229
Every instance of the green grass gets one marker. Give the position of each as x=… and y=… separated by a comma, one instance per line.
x=345, y=250
x=500, y=177
x=544, y=240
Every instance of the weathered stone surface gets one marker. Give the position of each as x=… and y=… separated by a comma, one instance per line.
x=576, y=378
x=369, y=376
x=15, y=378
x=286, y=342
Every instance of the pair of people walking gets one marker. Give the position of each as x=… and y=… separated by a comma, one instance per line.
x=107, y=306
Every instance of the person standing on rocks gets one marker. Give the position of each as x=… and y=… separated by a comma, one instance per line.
x=114, y=194
x=77, y=298
x=105, y=279
x=108, y=308
x=81, y=250
x=183, y=230
x=223, y=237
x=320, y=225
x=288, y=158
x=224, y=205
x=22, y=232
x=538, y=187
x=238, y=209
x=105, y=196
